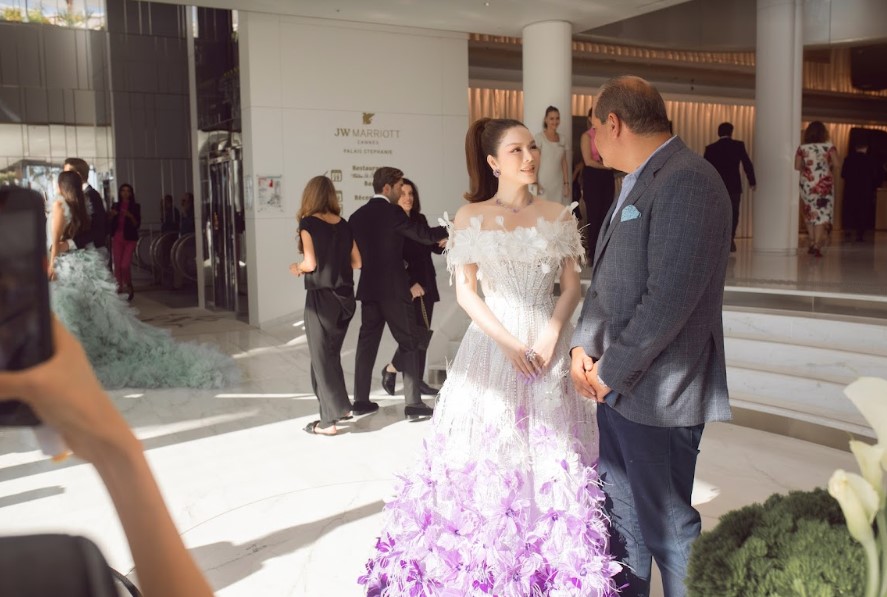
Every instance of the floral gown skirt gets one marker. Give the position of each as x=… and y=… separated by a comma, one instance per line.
x=505, y=499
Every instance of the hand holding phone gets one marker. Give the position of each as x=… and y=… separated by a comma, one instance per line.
x=25, y=330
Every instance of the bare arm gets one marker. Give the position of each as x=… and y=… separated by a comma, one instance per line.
x=309, y=262
x=66, y=395
x=563, y=309
x=58, y=225
x=356, y=260
x=585, y=147
x=799, y=163
x=163, y=564
x=565, y=188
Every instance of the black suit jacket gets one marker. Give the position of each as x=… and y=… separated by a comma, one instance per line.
x=725, y=155
x=98, y=221
x=130, y=230
x=420, y=267
x=379, y=229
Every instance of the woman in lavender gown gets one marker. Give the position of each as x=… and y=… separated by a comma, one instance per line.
x=505, y=499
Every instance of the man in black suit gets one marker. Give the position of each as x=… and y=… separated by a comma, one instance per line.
x=98, y=230
x=379, y=228
x=725, y=155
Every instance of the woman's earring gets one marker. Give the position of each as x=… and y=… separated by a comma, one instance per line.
x=496, y=172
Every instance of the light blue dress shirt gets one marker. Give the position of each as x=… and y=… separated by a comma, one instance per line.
x=630, y=179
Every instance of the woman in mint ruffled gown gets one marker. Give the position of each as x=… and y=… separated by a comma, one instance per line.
x=505, y=499
x=124, y=351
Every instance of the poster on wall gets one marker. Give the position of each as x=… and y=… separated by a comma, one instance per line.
x=268, y=195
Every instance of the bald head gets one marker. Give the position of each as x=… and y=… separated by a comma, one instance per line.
x=635, y=102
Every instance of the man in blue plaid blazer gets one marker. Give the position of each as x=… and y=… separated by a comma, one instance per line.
x=649, y=346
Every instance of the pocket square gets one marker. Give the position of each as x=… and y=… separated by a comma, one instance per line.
x=630, y=212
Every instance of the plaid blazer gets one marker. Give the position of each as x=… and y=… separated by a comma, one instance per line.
x=652, y=315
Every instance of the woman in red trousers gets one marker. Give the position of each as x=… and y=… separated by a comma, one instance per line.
x=126, y=218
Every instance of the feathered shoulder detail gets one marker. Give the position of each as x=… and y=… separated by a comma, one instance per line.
x=546, y=241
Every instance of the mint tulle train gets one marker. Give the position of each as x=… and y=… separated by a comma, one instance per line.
x=124, y=351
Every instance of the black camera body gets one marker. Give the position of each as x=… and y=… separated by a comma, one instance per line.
x=25, y=321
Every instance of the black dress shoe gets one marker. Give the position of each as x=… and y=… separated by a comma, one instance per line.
x=427, y=390
x=388, y=380
x=418, y=411
x=362, y=407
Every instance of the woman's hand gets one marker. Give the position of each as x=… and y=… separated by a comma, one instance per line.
x=295, y=269
x=65, y=394
x=517, y=352
x=544, y=349
x=50, y=273
x=416, y=291
x=113, y=213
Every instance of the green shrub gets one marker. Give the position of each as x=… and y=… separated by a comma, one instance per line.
x=794, y=545
x=9, y=13
x=36, y=16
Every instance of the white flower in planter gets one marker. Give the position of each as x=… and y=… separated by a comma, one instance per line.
x=863, y=499
x=869, y=459
x=869, y=395
x=859, y=502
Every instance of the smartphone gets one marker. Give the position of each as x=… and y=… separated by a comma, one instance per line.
x=25, y=321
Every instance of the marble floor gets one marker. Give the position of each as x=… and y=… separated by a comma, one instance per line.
x=850, y=278
x=269, y=510
x=858, y=268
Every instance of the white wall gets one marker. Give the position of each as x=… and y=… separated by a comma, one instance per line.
x=305, y=80
x=829, y=22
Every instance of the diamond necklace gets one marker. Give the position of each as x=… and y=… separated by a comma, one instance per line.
x=513, y=210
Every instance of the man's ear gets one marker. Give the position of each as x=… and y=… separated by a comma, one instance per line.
x=615, y=125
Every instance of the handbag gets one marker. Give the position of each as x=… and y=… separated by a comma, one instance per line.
x=423, y=334
x=42, y=565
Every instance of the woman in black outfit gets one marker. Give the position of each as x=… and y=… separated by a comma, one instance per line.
x=423, y=288
x=329, y=257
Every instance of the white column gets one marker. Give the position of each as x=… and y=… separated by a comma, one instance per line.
x=778, y=71
x=196, y=186
x=548, y=76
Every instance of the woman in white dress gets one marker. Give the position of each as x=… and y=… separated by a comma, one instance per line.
x=554, y=175
x=504, y=499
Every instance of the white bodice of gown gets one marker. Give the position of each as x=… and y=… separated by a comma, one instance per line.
x=485, y=407
x=517, y=268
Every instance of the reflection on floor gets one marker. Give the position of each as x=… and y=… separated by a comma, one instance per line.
x=850, y=279
x=270, y=510
x=845, y=267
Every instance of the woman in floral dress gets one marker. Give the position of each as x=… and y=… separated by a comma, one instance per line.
x=817, y=161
